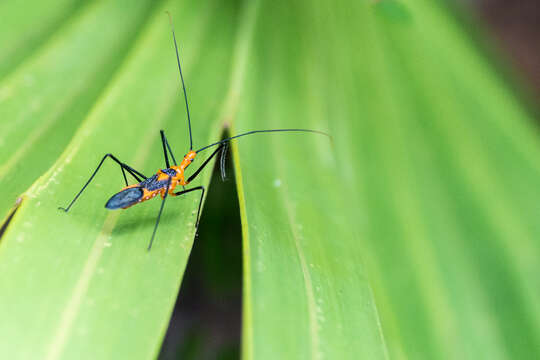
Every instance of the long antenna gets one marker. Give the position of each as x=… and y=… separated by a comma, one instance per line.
x=262, y=131
x=182, y=78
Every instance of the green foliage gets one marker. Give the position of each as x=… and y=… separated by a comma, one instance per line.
x=46, y=96
x=82, y=285
x=411, y=235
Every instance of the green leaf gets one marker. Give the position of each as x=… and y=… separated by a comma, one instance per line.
x=411, y=235
x=45, y=98
x=81, y=284
x=306, y=293
x=32, y=25
x=432, y=183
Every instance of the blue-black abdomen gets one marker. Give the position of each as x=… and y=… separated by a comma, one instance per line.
x=125, y=198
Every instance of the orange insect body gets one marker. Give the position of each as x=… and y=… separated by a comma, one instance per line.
x=160, y=180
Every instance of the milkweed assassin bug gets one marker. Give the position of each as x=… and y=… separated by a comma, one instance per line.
x=165, y=181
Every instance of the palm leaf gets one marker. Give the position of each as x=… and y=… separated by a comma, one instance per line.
x=410, y=235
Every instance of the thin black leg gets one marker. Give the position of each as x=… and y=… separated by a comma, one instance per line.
x=200, y=201
x=194, y=175
x=170, y=151
x=166, y=147
x=124, y=174
x=159, y=214
x=137, y=175
x=167, y=165
x=163, y=204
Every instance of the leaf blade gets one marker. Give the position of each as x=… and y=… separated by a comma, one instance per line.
x=113, y=283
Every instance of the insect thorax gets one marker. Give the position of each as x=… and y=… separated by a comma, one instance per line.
x=169, y=171
x=152, y=183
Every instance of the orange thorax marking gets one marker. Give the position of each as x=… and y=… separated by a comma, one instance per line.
x=176, y=180
x=186, y=161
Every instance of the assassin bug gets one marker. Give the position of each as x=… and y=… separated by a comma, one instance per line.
x=165, y=181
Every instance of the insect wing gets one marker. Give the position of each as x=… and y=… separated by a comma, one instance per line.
x=125, y=198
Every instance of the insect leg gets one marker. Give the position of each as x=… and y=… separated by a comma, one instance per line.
x=137, y=175
x=159, y=214
x=124, y=175
x=166, y=147
x=200, y=201
x=194, y=175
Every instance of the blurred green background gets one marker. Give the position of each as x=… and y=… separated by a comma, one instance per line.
x=414, y=235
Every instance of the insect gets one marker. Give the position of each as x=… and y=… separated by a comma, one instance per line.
x=165, y=181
